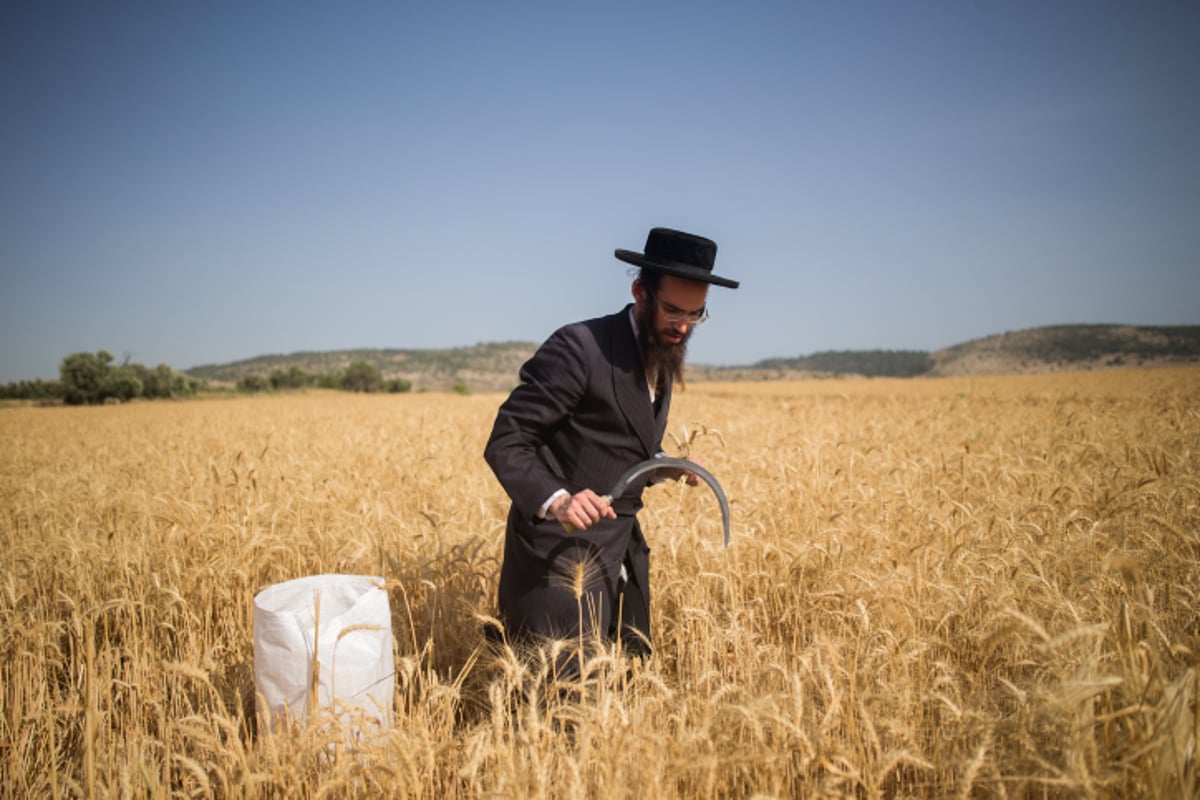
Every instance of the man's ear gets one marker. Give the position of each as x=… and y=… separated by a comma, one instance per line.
x=639, y=290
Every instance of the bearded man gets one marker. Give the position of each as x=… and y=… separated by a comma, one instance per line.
x=593, y=401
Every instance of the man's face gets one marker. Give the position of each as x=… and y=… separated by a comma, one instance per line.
x=668, y=313
x=665, y=318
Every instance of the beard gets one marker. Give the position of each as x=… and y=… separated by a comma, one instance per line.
x=661, y=358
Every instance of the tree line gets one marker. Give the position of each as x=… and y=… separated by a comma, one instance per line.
x=93, y=379
x=359, y=376
x=871, y=363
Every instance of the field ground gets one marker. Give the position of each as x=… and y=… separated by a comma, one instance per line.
x=975, y=587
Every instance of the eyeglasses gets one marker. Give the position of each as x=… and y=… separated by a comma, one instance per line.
x=674, y=315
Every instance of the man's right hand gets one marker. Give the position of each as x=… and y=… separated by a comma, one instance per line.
x=582, y=510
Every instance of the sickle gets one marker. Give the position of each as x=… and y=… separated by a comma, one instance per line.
x=638, y=470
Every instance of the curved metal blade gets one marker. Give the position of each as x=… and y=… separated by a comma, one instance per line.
x=638, y=470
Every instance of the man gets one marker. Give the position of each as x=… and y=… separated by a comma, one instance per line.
x=593, y=401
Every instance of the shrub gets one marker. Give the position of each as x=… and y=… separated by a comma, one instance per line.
x=32, y=390
x=291, y=378
x=362, y=376
x=253, y=384
x=83, y=377
x=121, y=384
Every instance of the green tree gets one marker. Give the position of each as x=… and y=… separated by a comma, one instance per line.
x=185, y=385
x=169, y=383
x=164, y=382
x=121, y=383
x=83, y=377
x=362, y=376
x=147, y=377
x=398, y=385
x=32, y=390
x=291, y=378
x=253, y=384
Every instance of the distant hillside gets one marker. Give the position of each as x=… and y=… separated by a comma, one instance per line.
x=494, y=366
x=482, y=368
x=1070, y=347
x=874, y=363
x=1046, y=349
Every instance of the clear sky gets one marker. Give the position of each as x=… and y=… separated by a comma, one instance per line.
x=201, y=182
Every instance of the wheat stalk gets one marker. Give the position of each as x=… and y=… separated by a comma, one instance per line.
x=943, y=587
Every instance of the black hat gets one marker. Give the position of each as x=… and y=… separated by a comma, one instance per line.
x=680, y=254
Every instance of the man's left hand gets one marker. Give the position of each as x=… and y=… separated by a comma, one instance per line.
x=672, y=474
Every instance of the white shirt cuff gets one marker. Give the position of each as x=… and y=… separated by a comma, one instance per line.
x=543, y=512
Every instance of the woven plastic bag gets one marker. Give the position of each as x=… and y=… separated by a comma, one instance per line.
x=324, y=642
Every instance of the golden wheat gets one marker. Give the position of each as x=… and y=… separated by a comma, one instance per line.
x=957, y=587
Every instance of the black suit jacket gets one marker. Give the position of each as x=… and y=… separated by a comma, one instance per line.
x=584, y=398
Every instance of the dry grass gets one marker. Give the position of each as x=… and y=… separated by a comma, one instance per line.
x=950, y=588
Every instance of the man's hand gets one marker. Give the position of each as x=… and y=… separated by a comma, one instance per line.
x=582, y=510
x=691, y=478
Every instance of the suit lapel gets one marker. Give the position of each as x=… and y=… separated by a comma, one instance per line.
x=629, y=382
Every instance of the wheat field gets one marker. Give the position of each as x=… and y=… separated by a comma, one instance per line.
x=936, y=588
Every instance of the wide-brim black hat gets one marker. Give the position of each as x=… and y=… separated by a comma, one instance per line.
x=683, y=255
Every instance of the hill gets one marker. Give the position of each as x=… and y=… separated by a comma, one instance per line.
x=482, y=367
x=874, y=363
x=1057, y=348
x=1070, y=348
x=494, y=366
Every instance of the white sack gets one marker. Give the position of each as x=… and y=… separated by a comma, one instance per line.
x=353, y=647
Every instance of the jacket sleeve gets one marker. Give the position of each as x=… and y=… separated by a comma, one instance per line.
x=552, y=383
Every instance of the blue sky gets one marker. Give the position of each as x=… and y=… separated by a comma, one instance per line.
x=193, y=183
